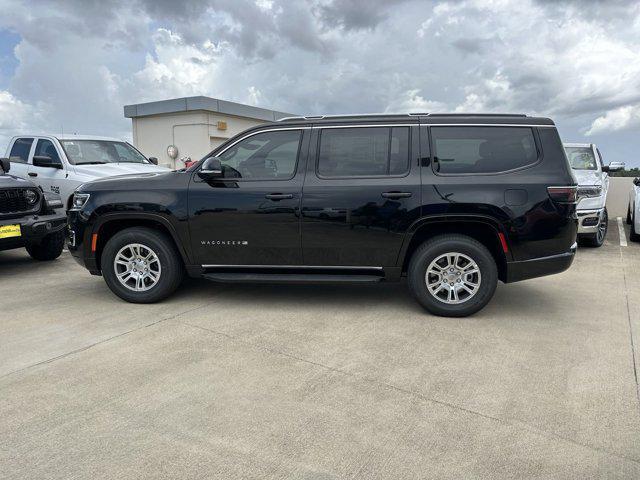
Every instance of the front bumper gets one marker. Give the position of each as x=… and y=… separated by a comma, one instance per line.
x=540, y=267
x=590, y=217
x=33, y=229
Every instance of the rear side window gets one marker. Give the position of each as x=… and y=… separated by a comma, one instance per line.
x=363, y=152
x=459, y=150
x=20, y=150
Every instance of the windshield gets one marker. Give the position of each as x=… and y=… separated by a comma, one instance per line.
x=581, y=158
x=93, y=152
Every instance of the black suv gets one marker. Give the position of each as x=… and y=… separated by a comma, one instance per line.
x=453, y=202
x=28, y=217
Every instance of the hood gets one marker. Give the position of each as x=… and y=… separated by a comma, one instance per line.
x=9, y=181
x=113, y=169
x=588, y=177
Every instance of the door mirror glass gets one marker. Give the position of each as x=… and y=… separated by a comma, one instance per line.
x=153, y=160
x=47, y=162
x=636, y=181
x=211, y=168
x=5, y=164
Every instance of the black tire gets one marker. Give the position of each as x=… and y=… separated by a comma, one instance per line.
x=628, y=214
x=430, y=251
x=172, y=268
x=596, y=240
x=49, y=248
x=634, y=236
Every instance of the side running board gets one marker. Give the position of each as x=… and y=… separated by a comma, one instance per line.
x=235, y=277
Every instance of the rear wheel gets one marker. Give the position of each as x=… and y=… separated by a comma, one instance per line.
x=49, y=248
x=597, y=239
x=634, y=235
x=452, y=275
x=141, y=265
x=628, y=214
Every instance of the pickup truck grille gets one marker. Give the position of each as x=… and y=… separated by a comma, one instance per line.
x=14, y=200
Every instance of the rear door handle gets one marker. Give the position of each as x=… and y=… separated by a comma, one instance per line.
x=279, y=196
x=32, y=174
x=396, y=194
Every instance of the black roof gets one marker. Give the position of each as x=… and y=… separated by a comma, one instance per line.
x=424, y=118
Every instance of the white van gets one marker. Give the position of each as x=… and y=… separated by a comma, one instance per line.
x=60, y=163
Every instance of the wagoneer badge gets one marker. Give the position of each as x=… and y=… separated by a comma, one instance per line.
x=225, y=242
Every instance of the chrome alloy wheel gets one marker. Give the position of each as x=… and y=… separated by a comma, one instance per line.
x=453, y=278
x=602, y=227
x=137, y=267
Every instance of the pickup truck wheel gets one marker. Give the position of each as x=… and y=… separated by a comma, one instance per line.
x=634, y=236
x=49, y=248
x=628, y=214
x=452, y=275
x=141, y=265
x=597, y=239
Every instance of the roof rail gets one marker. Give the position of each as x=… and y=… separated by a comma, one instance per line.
x=411, y=114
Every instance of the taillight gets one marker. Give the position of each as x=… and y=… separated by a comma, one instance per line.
x=563, y=194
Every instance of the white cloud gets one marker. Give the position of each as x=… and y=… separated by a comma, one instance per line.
x=614, y=120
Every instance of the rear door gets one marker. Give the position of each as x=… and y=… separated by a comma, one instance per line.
x=361, y=193
x=19, y=155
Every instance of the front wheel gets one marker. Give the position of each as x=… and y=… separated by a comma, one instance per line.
x=634, y=236
x=49, y=248
x=452, y=275
x=597, y=239
x=141, y=265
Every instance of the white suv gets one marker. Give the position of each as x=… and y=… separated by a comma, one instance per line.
x=60, y=163
x=593, y=186
x=633, y=210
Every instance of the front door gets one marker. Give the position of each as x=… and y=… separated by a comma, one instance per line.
x=251, y=215
x=361, y=194
x=49, y=179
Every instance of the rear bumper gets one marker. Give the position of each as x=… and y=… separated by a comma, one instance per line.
x=539, y=267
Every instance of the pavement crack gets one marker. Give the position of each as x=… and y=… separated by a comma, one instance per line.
x=634, y=359
x=87, y=347
x=510, y=422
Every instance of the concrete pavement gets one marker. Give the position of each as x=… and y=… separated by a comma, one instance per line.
x=320, y=382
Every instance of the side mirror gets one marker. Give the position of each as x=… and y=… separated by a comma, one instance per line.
x=6, y=164
x=46, y=161
x=615, y=166
x=211, y=168
x=153, y=160
x=636, y=181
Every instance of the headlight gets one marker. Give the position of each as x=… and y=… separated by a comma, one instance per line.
x=79, y=201
x=31, y=197
x=590, y=191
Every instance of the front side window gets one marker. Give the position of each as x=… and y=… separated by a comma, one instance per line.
x=363, y=152
x=264, y=156
x=20, y=150
x=464, y=150
x=581, y=158
x=46, y=148
x=94, y=152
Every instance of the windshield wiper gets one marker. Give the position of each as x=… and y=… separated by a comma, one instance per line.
x=91, y=163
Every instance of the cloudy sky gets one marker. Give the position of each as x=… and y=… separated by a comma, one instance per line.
x=73, y=64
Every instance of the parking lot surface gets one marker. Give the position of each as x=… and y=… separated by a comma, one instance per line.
x=320, y=382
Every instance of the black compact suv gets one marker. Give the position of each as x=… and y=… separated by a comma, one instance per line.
x=29, y=218
x=453, y=203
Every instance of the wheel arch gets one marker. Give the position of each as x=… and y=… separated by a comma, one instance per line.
x=110, y=224
x=484, y=229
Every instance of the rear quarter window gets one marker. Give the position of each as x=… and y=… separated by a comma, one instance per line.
x=482, y=150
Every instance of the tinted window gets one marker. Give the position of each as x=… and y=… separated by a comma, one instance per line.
x=363, y=152
x=581, y=158
x=482, y=149
x=20, y=150
x=47, y=149
x=264, y=156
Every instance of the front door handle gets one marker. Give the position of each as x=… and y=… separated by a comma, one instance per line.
x=279, y=196
x=396, y=194
x=32, y=174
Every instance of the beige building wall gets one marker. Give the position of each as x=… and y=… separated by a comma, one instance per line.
x=194, y=133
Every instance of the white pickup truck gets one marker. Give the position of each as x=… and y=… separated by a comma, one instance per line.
x=60, y=163
x=593, y=186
